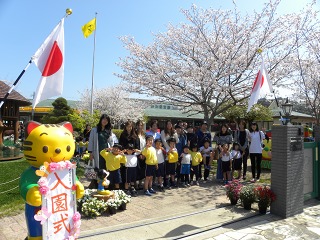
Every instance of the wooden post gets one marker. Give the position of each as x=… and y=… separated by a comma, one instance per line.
x=16, y=130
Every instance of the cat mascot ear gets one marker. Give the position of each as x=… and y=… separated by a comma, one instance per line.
x=30, y=126
x=67, y=125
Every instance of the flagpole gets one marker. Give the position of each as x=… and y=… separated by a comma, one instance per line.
x=15, y=83
x=92, y=76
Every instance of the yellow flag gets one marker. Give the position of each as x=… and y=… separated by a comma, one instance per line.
x=88, y=28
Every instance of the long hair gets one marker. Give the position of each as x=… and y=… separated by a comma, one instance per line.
x=254, y=123
x=132, y=134
x=139, y=122
x=167, y=131
x=227, y=132
x=99, y=125
x=243, y=122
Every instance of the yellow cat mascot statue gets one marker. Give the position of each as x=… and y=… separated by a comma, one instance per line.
x=44, y=143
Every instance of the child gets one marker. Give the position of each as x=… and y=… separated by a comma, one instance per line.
x=131, y=170
x=172, y=159
x=196, y=160
x=182, y=141
x=114, y=157
x=237, y=158
x=151, y=165
x=226, y=162
x=79, y=147
x=161, y=152
x=185, y=166
x=205, y=151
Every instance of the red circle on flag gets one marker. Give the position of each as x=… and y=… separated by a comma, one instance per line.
x=54, y=61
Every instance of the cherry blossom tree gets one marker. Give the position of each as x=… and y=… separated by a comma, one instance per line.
x=114, y=101
x=209, y=63
x=308, y=80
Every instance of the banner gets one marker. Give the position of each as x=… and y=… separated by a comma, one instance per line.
x=58, y=216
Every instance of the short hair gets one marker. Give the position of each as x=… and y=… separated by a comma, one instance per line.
x=157, y=140
x=194, y=145
x=204, y=123
x=148, y=137
x=172, y=139
x=235, y=144
x=153, y=122
x=130, y=146
x=116, y=145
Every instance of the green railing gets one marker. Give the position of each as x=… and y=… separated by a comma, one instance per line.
x=311, y=170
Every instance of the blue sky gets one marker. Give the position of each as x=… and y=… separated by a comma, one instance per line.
x=26, y=24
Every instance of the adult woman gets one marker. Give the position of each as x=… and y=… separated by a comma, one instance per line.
x=128, y=136
x=86, y=133
x=255, y=137
x=203, y=134
x=221, y=138
x=100, y=138
x=167, y=133
x=141, y=168
x=141, y=135
x=241, y=136
x=153, y=131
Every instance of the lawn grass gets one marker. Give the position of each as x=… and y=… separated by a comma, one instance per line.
x=11, y=203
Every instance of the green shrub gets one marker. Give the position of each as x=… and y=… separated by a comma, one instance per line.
x=117, y=132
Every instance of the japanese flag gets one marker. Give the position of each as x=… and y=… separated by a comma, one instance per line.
x=49, y=58
x=261, y=86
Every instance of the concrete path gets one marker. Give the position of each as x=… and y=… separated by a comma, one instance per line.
x=197, y=212
x=174, y=227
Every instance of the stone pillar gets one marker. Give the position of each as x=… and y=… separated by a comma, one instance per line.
x=287, y=170
x=316, y=134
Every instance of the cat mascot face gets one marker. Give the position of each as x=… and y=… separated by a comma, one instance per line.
x=48, y=143
x=44, y=144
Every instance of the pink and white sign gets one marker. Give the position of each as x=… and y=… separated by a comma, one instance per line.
x=58, y=216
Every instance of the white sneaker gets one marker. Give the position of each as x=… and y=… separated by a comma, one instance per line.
x=197, y=183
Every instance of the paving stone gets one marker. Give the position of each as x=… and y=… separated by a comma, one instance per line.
x=223, y=237
x=316, y=230
x=252, y=236
x=236, y=234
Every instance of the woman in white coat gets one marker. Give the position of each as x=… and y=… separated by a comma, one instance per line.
x=255, y=137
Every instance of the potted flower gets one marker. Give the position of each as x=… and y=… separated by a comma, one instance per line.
x=123, y=199
x=233, y=189
x=113, y=204
x=90, y=206
x=247, y=196
x=265, y=197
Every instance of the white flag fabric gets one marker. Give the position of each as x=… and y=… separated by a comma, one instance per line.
x=261, y=86
x=49, y=58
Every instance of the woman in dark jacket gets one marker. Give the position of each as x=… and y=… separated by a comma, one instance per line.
x=128, y=136
x=221, y=138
